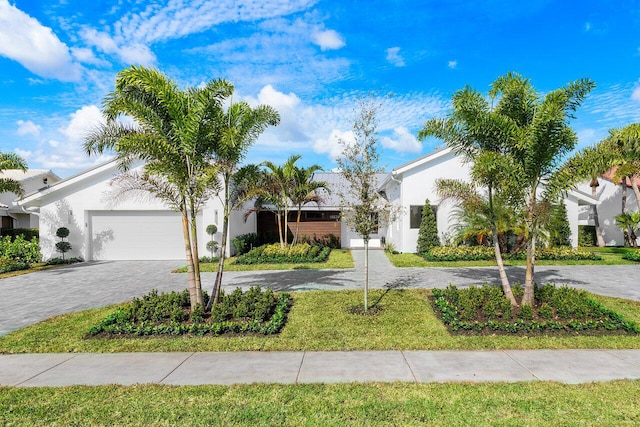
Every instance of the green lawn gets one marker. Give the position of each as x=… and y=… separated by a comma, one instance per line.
x=610, y=256
x=397, y=404
x=319, y=320
x=34, y=267
x=338, y=258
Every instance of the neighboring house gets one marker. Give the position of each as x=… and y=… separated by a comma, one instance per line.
x=14, y=216
x=138, y=227
x=609, y=195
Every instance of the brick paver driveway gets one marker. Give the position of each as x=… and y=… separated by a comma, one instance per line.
x=30, y=298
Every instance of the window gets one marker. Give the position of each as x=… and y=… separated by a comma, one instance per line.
x=415, y=215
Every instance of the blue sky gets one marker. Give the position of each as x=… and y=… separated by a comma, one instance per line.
x=309, y=59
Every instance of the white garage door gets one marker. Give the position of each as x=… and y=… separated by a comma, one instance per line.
x=136, y=235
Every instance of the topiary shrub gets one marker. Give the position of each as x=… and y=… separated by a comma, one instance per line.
x=428, y=233
x=62, y=246
x=212, y=245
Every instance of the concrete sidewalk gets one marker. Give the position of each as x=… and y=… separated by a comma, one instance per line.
x=566, y=366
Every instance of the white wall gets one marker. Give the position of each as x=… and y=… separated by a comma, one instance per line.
x=418, y=184
x=609, y=196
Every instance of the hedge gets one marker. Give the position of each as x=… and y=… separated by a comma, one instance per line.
x=485, y=253
x=275, y=254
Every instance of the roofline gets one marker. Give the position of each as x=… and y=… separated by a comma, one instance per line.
x=583, y=196
x=437, y=153
x=59, y=185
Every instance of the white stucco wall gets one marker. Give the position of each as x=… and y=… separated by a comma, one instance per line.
x=418, y=184
x=609, y=196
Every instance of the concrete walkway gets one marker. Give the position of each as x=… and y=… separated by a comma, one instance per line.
x=566, y=366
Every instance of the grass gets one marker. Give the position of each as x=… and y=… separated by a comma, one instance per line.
x=338, y=258
x=319, y=320
x=610, y=256
x=537, y=403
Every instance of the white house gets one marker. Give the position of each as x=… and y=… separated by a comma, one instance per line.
x=135, y=228
x=14, y=216
x=144, y=228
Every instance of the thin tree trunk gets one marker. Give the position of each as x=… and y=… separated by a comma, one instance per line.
x=280, y=229
x=366, y=274
x=506, y=286
x=636, y=190
x=223, y=248
x=196, y=258
x=531, y=251
x=625, y=231
x=596, y=220
x=193, y=296
x=295, y=237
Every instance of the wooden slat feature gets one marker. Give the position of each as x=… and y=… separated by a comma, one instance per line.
x=311, y=222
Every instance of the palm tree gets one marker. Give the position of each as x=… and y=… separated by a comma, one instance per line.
x=240, y=126
x=630, y=222
x=11, y=161
x=306, y=191
x=173, y=134
x=279, y=191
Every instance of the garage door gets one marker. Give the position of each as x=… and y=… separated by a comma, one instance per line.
x=136, y=235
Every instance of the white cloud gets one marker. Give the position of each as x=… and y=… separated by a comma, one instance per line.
x=635, y=95
x=86, y=56
x=402, y=141
x=587, y=26
x=270, y=96
x=452, y=64
x=393, y=56
x=328, y=40
x=331, y=145
x=128, y=52
x=34, y=46
x=82, y=122
x=28, y=128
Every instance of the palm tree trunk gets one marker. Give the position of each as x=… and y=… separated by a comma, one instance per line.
x=596, y=220
x=527, y=298
x=280, y=228
x=196, y=257
x=193, y=297
x=295, y=237
x=506, y=286
x=625, y=231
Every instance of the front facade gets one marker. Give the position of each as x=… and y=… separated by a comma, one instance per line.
x=143, y=228
x=15, y=216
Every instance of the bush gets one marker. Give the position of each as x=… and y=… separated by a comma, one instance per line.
x=243, y=243
x=330, y=240
x=486, y=310
x=26, y=233
x=428, y=233
x=275, y=254
x=254, y=311
x=587, y=236
x=559, y=228
x=60, y=261
x=19, y=249
x=632, y=255
x=485, y=253
x=9, y=264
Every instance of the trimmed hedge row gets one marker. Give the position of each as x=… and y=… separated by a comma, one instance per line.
x=485, y=309
x=275, y=254
x=254, y=311
x=485, y=253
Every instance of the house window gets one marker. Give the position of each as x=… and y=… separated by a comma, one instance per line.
x=415, y=215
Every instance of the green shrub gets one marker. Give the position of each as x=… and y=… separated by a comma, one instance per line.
x=428, y=233
x=243, y=243
x=274, y=253
x=20, y=249
x=559, y=228
x=26, y=233
x=59, y=261
x=254, y=311
x=485, y=309
x=632, y=255
x=62, y=246
x=9, y=264
x=485, y=253
x=587, y=236
x=330, y=240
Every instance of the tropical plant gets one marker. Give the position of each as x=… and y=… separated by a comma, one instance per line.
x=306, y=190
x=11, y=161
x=558, y=226
x=174, y=133
x=428, y=232
x=364, y=209
x=241, y=125
x=631, y=222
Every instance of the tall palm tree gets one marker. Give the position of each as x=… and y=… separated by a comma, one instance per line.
x=173, y=133
x=240, y=126
x=305, y=191
x=280, y=189
x=11, y=161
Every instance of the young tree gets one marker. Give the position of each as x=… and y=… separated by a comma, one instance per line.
x=364, y=209
x=428, y=232
x=174, y=132
x=558, y=226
